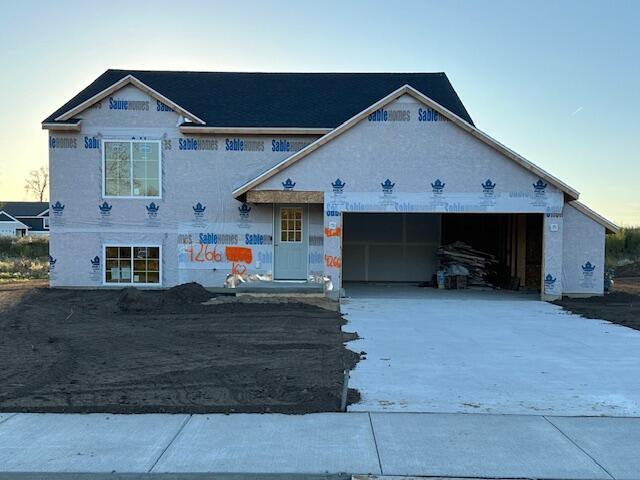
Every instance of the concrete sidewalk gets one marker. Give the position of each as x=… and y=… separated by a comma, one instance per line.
x=456, y=445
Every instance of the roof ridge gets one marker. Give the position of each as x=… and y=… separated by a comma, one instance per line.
x=247, y=72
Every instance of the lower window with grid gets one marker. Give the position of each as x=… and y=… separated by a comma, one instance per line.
x=132, y=265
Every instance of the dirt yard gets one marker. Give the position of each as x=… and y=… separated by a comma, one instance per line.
x=622, y=306
x=131, y=351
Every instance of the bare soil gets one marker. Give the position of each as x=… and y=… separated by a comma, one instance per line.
x=628, y=270
x=622, y=306
x=130, y=351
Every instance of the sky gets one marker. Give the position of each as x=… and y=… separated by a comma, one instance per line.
x=556, y=81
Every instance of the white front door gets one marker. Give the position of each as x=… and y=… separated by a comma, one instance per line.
x=291, y=242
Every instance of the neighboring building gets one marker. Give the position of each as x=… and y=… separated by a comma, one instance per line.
x=160, y=178
x=20, y=219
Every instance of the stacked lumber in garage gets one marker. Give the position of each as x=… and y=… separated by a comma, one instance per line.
x=458, y=255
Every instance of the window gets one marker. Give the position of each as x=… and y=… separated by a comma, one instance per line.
x=45, y=223
x=291, y=224
x=132, y=265
x=131, y=168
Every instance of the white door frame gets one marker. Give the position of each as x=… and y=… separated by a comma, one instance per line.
x=273, y=243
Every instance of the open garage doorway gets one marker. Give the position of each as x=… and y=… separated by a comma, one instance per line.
x=403, y=247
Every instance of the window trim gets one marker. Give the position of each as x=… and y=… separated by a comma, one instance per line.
x=131, y=283
x=45, y=223
x=104, y=169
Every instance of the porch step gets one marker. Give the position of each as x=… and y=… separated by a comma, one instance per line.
x=280, y=288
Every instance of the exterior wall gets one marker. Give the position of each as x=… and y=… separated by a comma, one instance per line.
x=226, y=236
x=583, y=255
x=35, y=224
x=8, y=229
x=413, y=154
x=552, y=250
x=205, y=173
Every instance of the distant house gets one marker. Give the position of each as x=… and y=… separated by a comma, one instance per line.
x=24, y=218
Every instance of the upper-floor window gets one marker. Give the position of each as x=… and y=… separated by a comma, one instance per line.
x=132, y=168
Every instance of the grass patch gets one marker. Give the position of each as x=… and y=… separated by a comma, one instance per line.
x=25, y=258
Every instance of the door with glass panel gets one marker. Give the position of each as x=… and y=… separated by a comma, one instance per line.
x=291, y=242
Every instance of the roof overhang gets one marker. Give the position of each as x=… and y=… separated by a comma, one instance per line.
x=72, y=125
x=284, y=196
x=123, y=82
x=610, y=227
x=408, y=90
x=13, y=219
x=194, y=129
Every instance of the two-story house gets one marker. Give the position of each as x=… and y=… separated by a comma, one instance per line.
x=160, y=178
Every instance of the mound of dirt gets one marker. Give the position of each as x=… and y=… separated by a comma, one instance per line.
x=628, y=270
x=133, y=300
x=187, y=293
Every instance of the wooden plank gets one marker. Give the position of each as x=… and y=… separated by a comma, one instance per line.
x=521, y=260
x=284, y=196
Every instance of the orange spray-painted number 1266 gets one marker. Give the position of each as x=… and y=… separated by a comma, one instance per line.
x=202, y=253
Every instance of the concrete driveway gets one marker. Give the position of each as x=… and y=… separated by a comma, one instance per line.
x=487, y=352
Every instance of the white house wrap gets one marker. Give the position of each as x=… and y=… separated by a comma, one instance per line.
x=146, y=190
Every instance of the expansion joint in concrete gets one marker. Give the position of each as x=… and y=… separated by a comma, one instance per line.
x=175, y=437
x=375, y=442
x=5, y=419
x=579, y=447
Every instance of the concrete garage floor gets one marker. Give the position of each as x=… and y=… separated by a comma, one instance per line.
x=473, y=351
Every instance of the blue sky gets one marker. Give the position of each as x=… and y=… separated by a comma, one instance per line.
x=557, y=81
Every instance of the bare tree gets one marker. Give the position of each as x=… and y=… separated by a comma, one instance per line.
x=37, y=183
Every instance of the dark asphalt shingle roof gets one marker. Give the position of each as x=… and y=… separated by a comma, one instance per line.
x=304, y=100
x=27, y=209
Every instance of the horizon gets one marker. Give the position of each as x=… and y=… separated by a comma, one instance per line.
x=537, y=88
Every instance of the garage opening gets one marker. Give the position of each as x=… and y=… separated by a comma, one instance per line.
x=403, y=247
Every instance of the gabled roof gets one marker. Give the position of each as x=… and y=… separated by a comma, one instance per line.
x=609, y=227
x=24, y=209
x=288, y=100
x=5, y=217
x=66, y=120
x=408, y=90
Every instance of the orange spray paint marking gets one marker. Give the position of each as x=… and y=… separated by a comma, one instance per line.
x=332, y=262
x=239, y=254
x=238, y=269
x=333, y=232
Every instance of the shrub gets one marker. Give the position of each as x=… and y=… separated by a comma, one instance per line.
x=24, y=258
x=623, y=247
x=24, y=247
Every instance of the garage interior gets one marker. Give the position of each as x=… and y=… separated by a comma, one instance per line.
x=402, y=247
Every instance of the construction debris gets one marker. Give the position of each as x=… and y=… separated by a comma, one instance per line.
x=458, y=258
